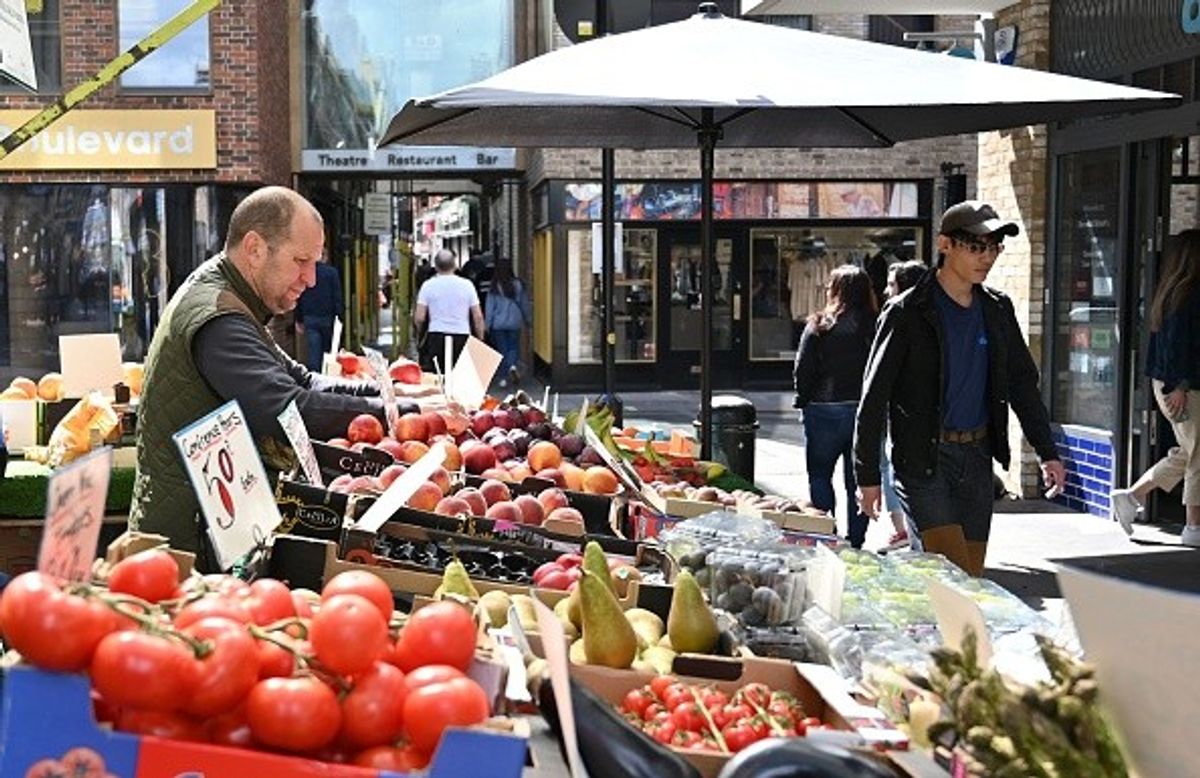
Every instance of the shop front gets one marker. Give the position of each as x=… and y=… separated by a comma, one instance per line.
x=776, y=242
x=1121, y=188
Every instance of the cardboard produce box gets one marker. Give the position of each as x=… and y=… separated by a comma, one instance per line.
x=335, y=460
x=311, y=511
x=818, y=688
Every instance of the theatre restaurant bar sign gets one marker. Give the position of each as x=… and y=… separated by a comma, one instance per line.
x=408, y=159
x=115, y=140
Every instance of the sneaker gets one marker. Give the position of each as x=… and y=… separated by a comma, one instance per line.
x=514, y=376
x=1125, y=509
x=898, y=537
x=1190, y=536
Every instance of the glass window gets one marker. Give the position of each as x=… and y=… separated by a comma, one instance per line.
x=365, y=58
x=686, y=312
x=634, y=298
x=46, y=43
x=789, y=269
x=181, y=63
x=141, y=282
x=1086, y=337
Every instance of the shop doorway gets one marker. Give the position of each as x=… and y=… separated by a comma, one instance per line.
x=681, y=323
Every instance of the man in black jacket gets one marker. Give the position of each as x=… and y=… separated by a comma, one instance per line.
x=947, y=360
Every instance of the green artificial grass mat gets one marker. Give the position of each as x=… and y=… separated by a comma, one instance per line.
x=23, y=491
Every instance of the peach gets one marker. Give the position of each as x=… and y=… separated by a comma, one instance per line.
x=392, y=446
x=519, y=471
x=495, y=491
x=411, y=426
x=341, y=483
x=543, y=455
x=412, y=450
x=565, y=514
x=363, y=484
x=498, y=473
x=442, y=479
x=474, y=498
x=426, y=497
x=454, y=459
x=531, y=509
x=478, y=457
x=598, y=479
x=552, y=474
x=504, y=511
x=434, y=423
x=452, y=506
x=553, y=498
x=390, y=474
x=365, y=428
x=573, y=475
x=339, y=442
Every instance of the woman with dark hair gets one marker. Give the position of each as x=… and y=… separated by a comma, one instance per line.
x=828, y=378
x=507, y=311
x=1173, y=364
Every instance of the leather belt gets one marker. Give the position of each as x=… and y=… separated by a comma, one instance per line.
x=964, y=436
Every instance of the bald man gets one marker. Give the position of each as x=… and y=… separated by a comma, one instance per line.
x=212, y=346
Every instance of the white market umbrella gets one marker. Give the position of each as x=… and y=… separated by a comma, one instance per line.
x=712, y=80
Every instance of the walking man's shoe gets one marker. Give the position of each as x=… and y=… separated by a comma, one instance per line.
x=1125, y=508
x=1191, y=536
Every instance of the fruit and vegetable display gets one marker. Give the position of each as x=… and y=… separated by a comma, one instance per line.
x=336, y=675
x=1002, y=728
x=701, y=717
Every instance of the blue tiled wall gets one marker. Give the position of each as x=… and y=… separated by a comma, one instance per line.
x=1087, y=454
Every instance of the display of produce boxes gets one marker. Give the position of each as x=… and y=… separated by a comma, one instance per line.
x=817, y=687
x=47, y=728
x=311, y=511
x=335, y=460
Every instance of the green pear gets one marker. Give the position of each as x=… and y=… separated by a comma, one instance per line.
x=691, y=623
x=456, y=581
x=578, y=653
x=608, y=638
x=495, y=605
x=661, y=659
x=647, y=624
x=526, y=614
x=574, y=614
x=595, y=561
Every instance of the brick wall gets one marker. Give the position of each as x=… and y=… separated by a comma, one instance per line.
x=1013, y=170
x=249, y=76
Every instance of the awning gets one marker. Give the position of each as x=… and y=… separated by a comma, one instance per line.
x=934, y=7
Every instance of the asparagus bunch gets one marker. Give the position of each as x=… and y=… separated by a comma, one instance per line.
x=1053, y=730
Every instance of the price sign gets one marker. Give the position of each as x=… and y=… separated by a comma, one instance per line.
x=387, y=390
x=230, y=483
x=74, y=511
x=297, y=433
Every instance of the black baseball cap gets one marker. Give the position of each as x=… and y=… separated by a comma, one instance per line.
x=975, y=217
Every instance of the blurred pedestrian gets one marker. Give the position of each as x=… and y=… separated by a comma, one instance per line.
x=480, y=270
x=1173, y=365
x=828, y=375
x=318, y=307
x=447, y=305
x=508, y=312
x=947, y=360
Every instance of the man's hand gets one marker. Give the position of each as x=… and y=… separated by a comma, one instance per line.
x=1054, y=476
x=1175, y=403
x=869, y=500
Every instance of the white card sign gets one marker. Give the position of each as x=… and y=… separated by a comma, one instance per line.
x=554, y=643
x=75, y=501
x=396, y=495
x=387, y=390
x=230, y=482
x=472, y=373
x=90, y=362
x=297, y=433
x=955, y=613
x=16, y=49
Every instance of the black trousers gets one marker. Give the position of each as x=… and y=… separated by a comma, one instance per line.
x=434, y=345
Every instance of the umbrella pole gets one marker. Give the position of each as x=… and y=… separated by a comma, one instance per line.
x=608, y=278
x=707, y=135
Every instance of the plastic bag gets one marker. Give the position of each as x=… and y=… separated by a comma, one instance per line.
x=85, y=427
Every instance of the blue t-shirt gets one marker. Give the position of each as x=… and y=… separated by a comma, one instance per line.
x=965, y=344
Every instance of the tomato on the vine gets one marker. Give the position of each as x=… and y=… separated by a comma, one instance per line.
x=373, y=711
x=659, y=684
x=161, y=723
x=274, y=661
x=293, y=714
x=364, y=584
x=440, y=633
x=212, y=605
x=652, y=710
x=429, y=710
x=430, y=674
x=688, y=716
x=738, y=736
x=676, y=694
x=227, y=672
x=50, y=628
x=662, y=731
x=152, y=575
x=399, y=760
x=756, y=695
x=685, y=738
x=143, y=670
x=270, y=601
x=231, y=729
x=636, y=701
x=348, y=634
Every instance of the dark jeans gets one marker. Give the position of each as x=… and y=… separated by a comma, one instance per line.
x=829, y=435
x=508, y=343
x=961, y=491
x=434, y=345
x=318, y=335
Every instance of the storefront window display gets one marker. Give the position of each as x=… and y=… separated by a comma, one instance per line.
x=635, y=309
x=687, y=324
x=789, y=269
x=1086, y=335
x=1185, y=184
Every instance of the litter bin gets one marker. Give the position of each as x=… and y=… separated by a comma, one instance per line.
x=735, y=421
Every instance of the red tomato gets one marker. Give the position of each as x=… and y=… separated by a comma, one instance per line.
x=687, y=716
x=274, y=661
x=756, y=695
x=676, y=694
x=228, y=672
x=782, y=713
x=104, y=713
x=428, y=711
x=711, y=697
x=231, y=729
x=140, y=670
x=364, y=584
x=652, y=710
x=373, y=711
x=226, y=585
x=161, y=723
x=662, y=731
x=270, y=601
x=687, y=739
x=430, y=674
x=293, y=714
x=151, y=575
x=303, y=604
x=399, y=760
x=636, y=701
x=51, y=629
x=348, y=634
x=738, y=736
x=731, y=714
x=441, y=633
x=659, y=684
x=212, y=605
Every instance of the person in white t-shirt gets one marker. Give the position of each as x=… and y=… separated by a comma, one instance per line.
x=447, y=304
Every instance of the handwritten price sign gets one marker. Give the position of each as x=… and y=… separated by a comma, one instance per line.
x=387, y=390
x=293, y=427
x=230, y=482
x=74, y=511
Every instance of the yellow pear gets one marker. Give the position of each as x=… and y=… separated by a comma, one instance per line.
x=608, y=638
x=691, y=623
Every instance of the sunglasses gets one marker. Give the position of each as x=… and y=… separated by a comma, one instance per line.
x=979, y=247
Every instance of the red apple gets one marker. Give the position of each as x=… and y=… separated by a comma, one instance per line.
x=543, y=569
x=553, y=498
x=570, y=560
x=504, y=449
x=405, y=371
x=474, y=499
x=495, y=491
x=502, y=419
x=365, y=428
x=504, y=511
x=478, y=458
x=565, y=514
x=390, y=474
x=481, y=422
x=531, y=509
x=434, y=423
x=555, y=579
x=411, y=426
x=452, y=506
x=534, y=415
